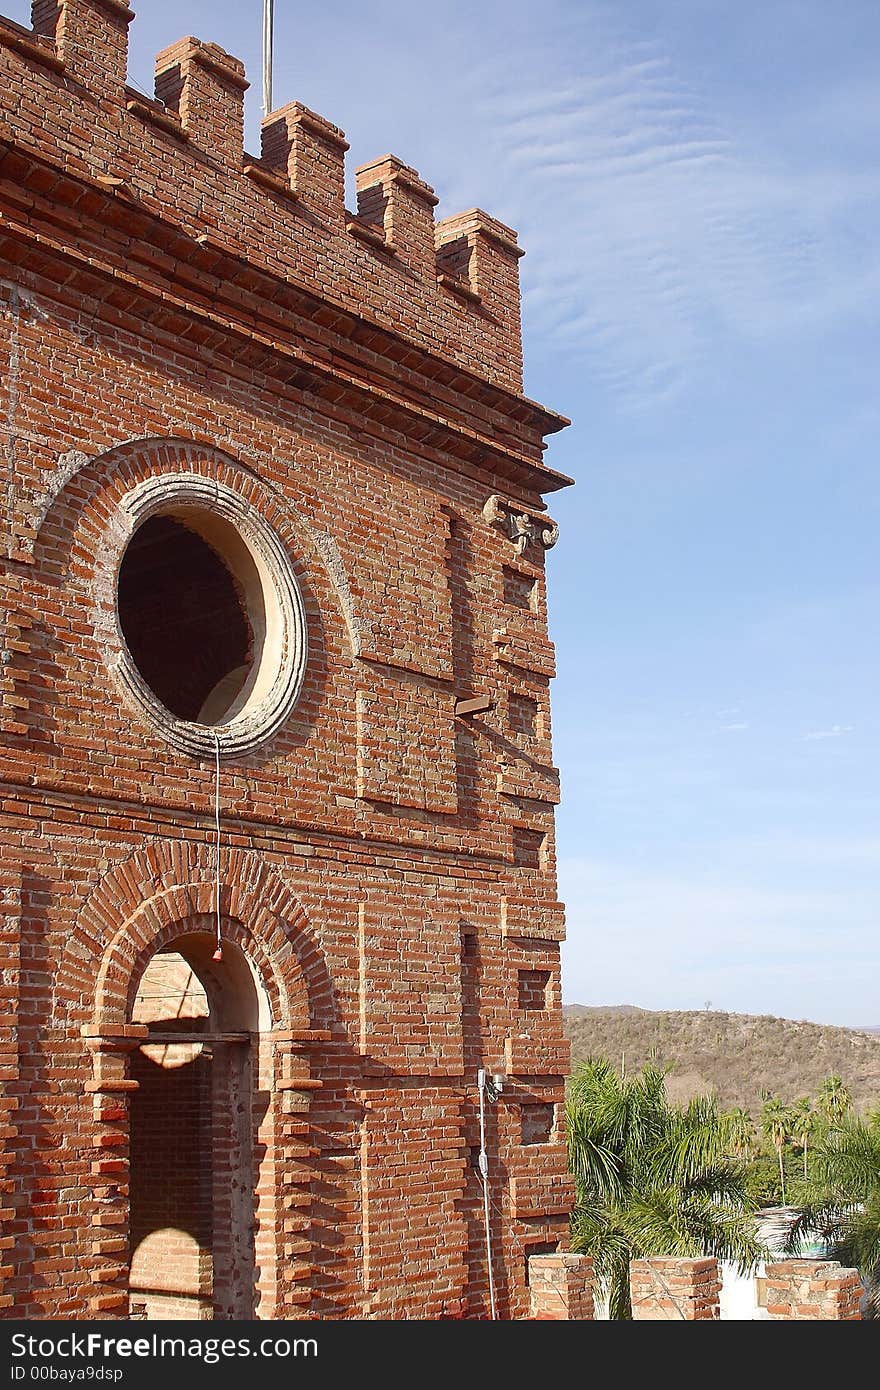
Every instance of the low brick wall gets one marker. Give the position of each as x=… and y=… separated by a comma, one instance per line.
x=675, y=1289
x=805, y=1289
x=561, y=1287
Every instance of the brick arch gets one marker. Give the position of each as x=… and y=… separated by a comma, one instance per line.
x=145, y=902
x=126, y=463
x=123, y=467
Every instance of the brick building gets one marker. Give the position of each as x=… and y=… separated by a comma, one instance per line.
x=273, y=517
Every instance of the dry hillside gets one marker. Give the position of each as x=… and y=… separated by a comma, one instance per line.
x=733, y=1056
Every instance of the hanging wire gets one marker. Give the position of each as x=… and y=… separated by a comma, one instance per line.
x=523, y=1247
x=484, y=1174
x=218, y=954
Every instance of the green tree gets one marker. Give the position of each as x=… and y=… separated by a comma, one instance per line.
x=843, y=1199
x=652, y=1179
x=834, y=1100
x=776, y=1127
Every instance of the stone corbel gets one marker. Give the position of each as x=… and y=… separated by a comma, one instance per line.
x=523, y=528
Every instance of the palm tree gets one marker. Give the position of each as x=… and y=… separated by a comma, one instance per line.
x=843, y=1201
x=652, y=1179
x=803, y=1124
x=834, y=1100
x=776, y=1127
x=740, y=1132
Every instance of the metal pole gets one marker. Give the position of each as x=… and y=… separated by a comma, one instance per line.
x=268, y=43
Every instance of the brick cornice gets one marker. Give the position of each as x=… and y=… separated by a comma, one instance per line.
x=496, y=433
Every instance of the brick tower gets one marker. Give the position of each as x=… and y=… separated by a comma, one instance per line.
x=272, y=519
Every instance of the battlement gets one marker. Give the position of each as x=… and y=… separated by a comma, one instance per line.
x=449, y=287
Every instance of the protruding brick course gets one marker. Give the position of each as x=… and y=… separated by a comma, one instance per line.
x=806, y=1290
x=670, y=1288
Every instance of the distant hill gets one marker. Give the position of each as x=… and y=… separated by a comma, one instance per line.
x=576, y=1010
x=732, y=1056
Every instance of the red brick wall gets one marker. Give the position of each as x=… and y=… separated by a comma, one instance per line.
x=674, y=1289
x=807, y=1290
x=171, y=1182
x=388, y=867
x=561, y=1287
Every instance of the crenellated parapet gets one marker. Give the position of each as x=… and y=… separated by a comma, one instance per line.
x=450, y=287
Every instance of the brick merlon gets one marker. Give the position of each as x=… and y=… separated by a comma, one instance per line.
x=284, y=210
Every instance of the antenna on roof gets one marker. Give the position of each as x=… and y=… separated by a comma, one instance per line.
x=268, y=43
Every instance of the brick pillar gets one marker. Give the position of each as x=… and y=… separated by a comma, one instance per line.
x=91, y=37
x=486, y=252
x=10, y=927
x=672, y=1288
x=110, y=1090
x=294, y=1154
x=311, y=153
x=561, y=1287
x=392, y=197
x=805, y=1289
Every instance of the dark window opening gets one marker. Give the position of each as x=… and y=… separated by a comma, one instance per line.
x=184, y=617
x=539, y=1247
x=533, y=985
x=537, y=1123
x=519, y=589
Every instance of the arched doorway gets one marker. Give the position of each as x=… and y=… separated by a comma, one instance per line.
x=194, y=1123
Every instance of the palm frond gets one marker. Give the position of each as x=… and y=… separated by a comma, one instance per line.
x=694, y=1141
x=591, y=1158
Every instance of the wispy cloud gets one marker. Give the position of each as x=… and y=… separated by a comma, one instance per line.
x=836, y=731
x=651, y=227
x=730, y=727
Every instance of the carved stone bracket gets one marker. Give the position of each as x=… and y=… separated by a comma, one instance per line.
x=523, y=528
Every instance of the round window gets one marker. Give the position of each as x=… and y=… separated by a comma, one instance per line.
x=210, y=616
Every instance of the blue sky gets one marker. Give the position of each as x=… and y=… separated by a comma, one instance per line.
x=696, y=187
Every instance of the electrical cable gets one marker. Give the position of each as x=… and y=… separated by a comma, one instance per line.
x=218, y=953
x=524, y=1249
x=484, y=1174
